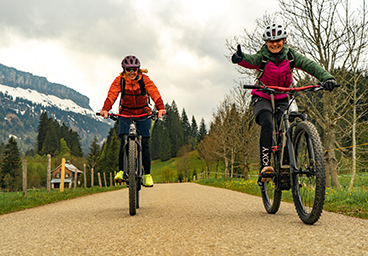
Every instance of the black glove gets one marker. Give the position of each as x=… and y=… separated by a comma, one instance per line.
x=238, y=56
x=330, y=84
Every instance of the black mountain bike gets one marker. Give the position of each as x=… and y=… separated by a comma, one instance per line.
x=297, y=158
x=132, y=167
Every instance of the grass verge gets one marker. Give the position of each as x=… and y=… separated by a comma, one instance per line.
x=352, y=203
x=15, y=201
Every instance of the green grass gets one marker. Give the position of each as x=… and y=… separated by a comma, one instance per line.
x=352, y=203
x=15, y=201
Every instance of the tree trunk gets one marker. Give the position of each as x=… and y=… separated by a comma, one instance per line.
x=330, y=141
x=354, y=139
x=226, y=168
x=246, y=169
x=232, y=164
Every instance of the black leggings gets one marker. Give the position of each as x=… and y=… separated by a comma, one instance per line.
x=265, y=141
x=146, y=155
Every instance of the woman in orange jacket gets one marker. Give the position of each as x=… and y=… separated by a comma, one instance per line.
x=134, y=101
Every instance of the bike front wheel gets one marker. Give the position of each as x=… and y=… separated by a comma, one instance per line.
x=271, y=192
x=133, y=192
x=308, y=181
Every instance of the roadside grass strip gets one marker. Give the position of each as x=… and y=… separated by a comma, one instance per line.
x=15, y=201
x=352, y=203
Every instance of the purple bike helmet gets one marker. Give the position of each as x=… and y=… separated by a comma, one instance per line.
x=130, y=62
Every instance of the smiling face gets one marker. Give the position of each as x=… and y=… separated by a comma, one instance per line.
x=275, y=46
x=131, y=73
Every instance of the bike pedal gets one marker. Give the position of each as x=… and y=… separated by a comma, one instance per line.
x=268, y=174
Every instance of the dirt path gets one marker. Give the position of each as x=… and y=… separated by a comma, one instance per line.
x=177, y=219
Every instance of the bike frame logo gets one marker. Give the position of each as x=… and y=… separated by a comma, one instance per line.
x=265, y=156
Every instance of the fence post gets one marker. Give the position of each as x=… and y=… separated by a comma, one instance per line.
x=114, y=178
x=99, y=179
x=24, y=177
x=62, y=177
x=75, y=179
x=84, y=175
x=91, y=177
x=105, y=179
x=110, y=179
x=48, y=185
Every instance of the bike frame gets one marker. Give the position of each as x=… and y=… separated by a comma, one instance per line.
x=133, y=135
x=283, y=133
x=135, y=179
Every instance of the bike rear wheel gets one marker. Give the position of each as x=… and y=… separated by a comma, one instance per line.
x=309, y=187
x=271, y=192
x=133, y=192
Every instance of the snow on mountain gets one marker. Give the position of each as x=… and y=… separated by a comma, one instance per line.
x=47, y=100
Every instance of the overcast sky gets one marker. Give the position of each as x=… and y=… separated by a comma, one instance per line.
x=80, y=44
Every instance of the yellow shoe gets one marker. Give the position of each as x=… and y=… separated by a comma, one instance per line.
x=147, y=180
x=119, y=175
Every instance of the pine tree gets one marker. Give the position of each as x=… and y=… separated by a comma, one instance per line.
x=186, y=126
x=202, y=130
x=165, y=148
x=111, y=162
x=11, y=166
x=63, y=147
x=42, y=130
x=75, y=148
x=51, y=142
x=175, y=129
x=94, y=154
x=194, y=133
x=156, y=139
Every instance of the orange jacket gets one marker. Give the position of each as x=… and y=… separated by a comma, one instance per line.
x=132, y=87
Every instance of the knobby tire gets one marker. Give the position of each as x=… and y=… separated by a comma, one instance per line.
x=308, y=190
x=132, y=177
x=271, y=193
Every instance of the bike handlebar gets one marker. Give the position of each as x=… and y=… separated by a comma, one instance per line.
x=278, y=89
x=114, y=116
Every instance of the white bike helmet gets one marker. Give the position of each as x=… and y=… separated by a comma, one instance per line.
x=274, y=32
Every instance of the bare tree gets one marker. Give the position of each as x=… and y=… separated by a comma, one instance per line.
x=336, y=37
x=329, y=33
x=247, y=135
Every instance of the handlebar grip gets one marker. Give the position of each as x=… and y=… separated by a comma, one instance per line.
x=246, y=86
x=98, y=114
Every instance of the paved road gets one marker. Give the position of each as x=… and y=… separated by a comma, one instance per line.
x=176, y=219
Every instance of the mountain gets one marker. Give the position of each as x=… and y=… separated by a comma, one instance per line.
x=23, y=97
x=15, y=78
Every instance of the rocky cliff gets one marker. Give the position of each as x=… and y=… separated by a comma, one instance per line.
x=15, y=78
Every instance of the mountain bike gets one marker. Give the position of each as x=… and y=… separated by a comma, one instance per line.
x=132, y=162
x=296, y=157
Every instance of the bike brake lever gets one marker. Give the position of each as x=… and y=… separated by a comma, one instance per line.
x=113, y=117
x=268, y=91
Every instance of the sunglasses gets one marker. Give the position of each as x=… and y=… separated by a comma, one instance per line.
x=275, y=41
x=131, y=69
